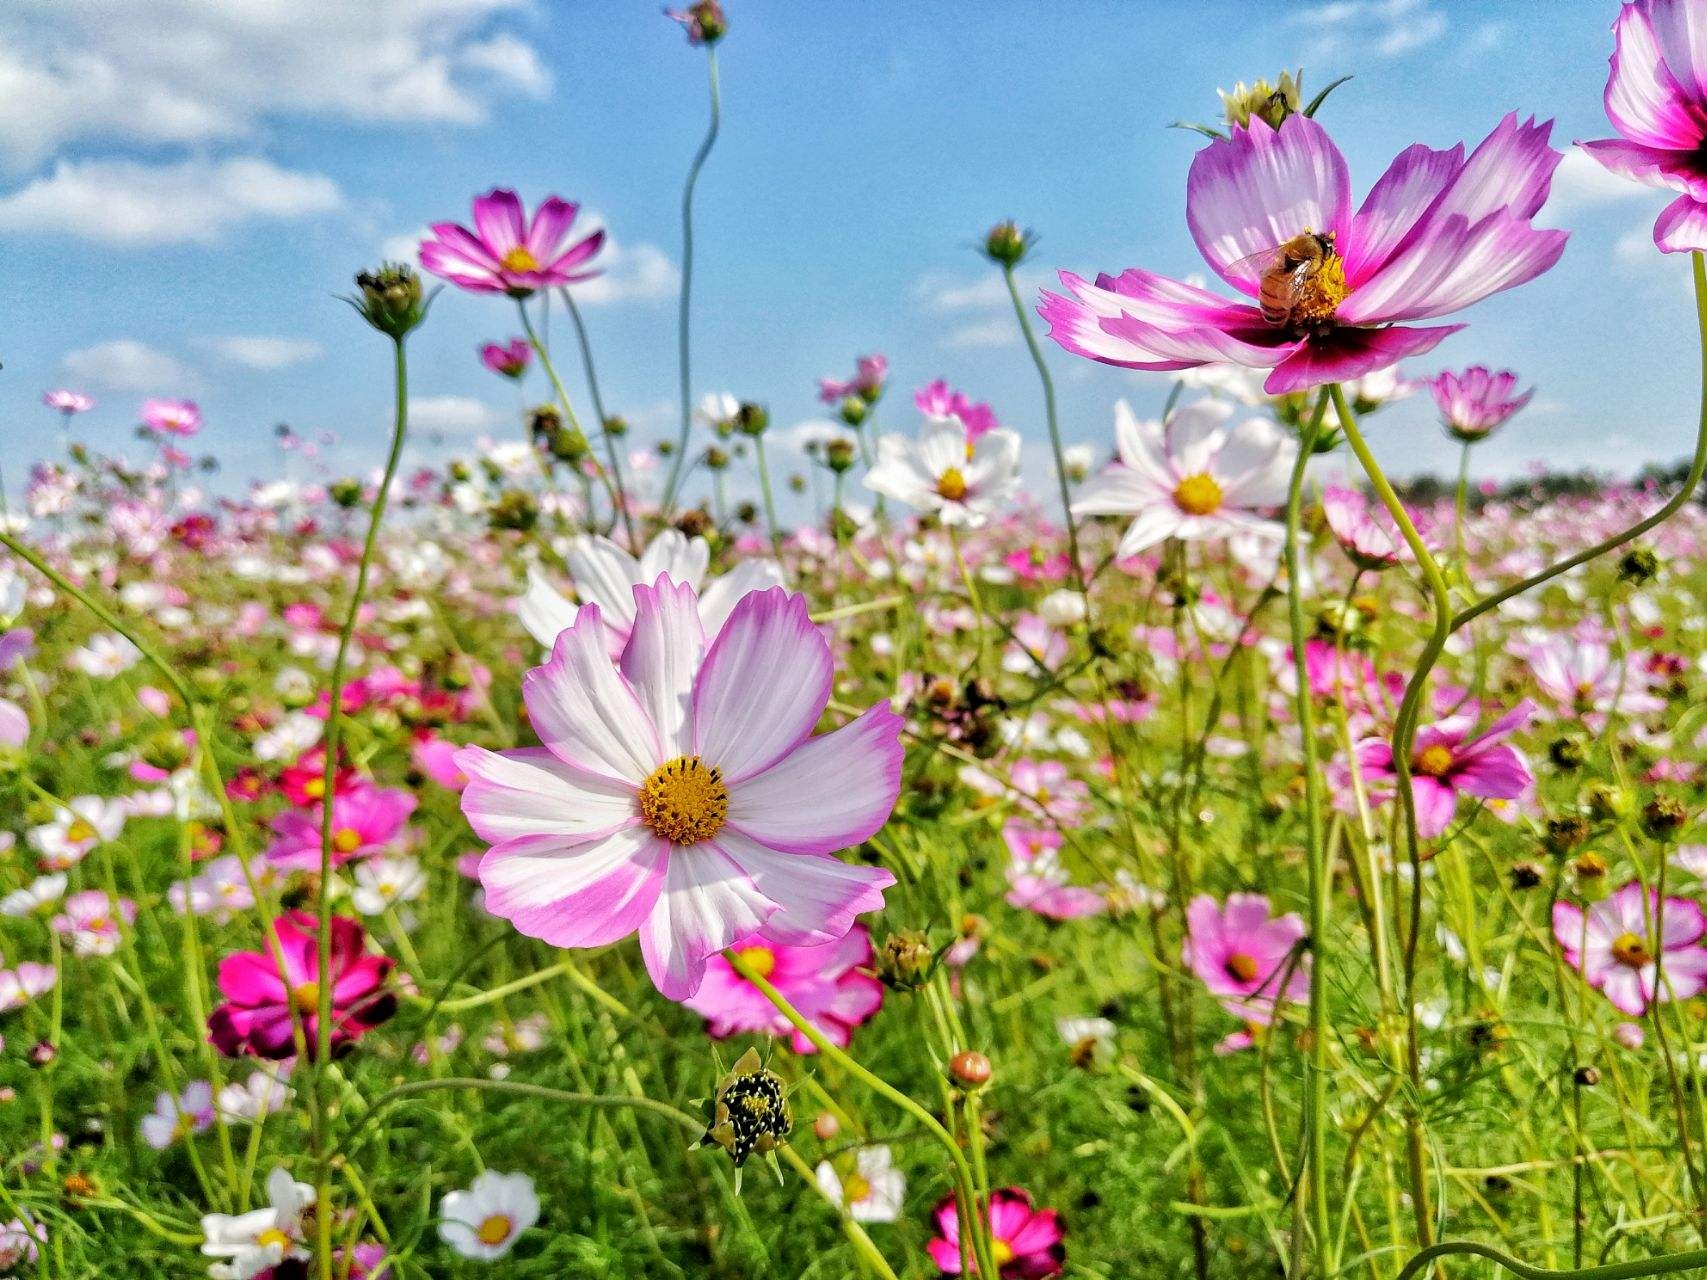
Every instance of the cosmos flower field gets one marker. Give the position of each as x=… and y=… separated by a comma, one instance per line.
x=593, y=855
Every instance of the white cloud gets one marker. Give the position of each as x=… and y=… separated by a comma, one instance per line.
x=998, y=331
x=132, y=205
x=1582, y=180
x=188, y=71
x=643, y=273
x=1387, y=28
x=452, y=415
x=124, y=364
x=256, y=352
x=941, y=293
x=405, y=247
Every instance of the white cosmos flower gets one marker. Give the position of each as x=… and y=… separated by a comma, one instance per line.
x=871, y=1191
x=1200, y=476
x=107, y=654
x=484, y=1221
x=84, y=823
x=382, y=882
x=41, y=892
x=252, y=1242
x=606, y=575
x=964, y=484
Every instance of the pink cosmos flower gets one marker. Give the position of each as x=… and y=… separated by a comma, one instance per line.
x=23, y=984
x=1583, y=676
x=681, y=793
x=1239, y=953
x=68, y=402
x=172, y=417
x=93, y=922
x=507, y=359
x=1446, y=762
x=1027, y=1241
x=506, y=253
x=262, y=994
x=867, y=382
x=1365, y=531
x=704, y=21
x=1612, y=946
x=1199, y=475
x=824, y=982
x=938, y=401
x=1656, y=97
x=1476, y=402
x=1436, y=233
x=175, y=1118
x=365, y=819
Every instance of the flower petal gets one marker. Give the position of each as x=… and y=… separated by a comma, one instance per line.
x=585, y=712
x=576, y=895
x=543, y=610
x=530, y=792
x=708, y=902
x=820, y=897
x=1350, y=353
x=662, y=658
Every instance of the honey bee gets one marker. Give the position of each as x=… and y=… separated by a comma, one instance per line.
x=1301, y=281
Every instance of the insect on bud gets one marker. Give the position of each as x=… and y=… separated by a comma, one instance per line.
x=391, y=299
x=971, y=1068
x=1006, y=245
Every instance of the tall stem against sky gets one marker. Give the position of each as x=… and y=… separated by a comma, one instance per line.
x=683, y=320
x=619, y=489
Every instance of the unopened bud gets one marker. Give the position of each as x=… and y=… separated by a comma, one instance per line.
x=1663, y=816
x=970, y=1068
x=391, y=299
x=1006, y=244
x=1638, y=565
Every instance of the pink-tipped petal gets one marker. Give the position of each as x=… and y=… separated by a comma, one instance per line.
x=1394, y=205
x=1350, y=353
x=1682, y=227
x=530, y=792
x=583, y=895
x=1643, y=99
x=585, y=712
x=499, y=220
x=707, y=904
x=820, y=897
x=662, y=658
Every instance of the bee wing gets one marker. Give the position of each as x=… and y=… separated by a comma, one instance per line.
x=1254, y=266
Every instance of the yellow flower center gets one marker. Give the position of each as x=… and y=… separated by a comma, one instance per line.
x=305, y=996
x=1435, y=761
x=1631, y=951
x=855, y=1189
x=80, y=830
x=273, y=1236
x=494, y=1229
x=685, y=801
x=346, y=839
x=519, y=259
x=1242, y=967
x=1001, y=1252
x=761, y=960
x=1198, y=495
x=314, y=788
x=951, y=485
x=1322, y=292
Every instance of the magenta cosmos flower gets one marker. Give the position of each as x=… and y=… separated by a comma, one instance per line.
x=172, y=417
x=1436, y=233
x=506, y=253
x=1473, y=404
x=68, y=402
x=938, y=400
x=1612, y=944
x=1656, y=97
x=1240, y=954
x=681, y=793
x=263, y=992
x=867, y=382
x=826, y=984
x=365, y=819
x=1447, y=761
x=507, y=359
x=1026, y=1241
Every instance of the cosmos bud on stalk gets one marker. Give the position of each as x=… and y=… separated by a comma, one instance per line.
x=749, y=1112
x=391, y=299
x=752, y=419
x=1268, y=103
x=839, y=456
x=1006, y=245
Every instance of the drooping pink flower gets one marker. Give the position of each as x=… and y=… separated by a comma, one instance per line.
x=1656, y=97
x=23, y=984
x=681, y=792
x=68, y=402
x=1447, y=761
x=172, y=417
x=867, y=382
x=1612, y=945
x=825, y=983
x=1436, y=233
x=508, y=253
x=938, y=400
x=1241, y=954
x=1475, y=403
x=1028, y=1241
x=1364, y=531
x=507, y=359
x=263, y=992
x=365, y=819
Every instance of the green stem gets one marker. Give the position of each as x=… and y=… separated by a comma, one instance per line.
x=1462, y=501
x=621, y=494
x=683, y=342
x=568, y=412
x=1667, y=1264
x=1686, y=491
x=1320, y=879
x=334, y=728
x=770, y=501
x=978, y=1232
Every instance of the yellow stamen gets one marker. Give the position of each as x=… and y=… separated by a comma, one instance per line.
x=315, y=788
x=306, y=997
x=273, y=1236
x=1631, y=951
x=1198, y=495
x=1001, y=1252
x=80, y=830
x=684, y=801
x=1242, y=967
x=761, y=960
x=951, y=485
x=494, y=1229
x=1435, y=761
x=1321, y=294
x=519, y=259
x=346, y=839
x=855, y=1189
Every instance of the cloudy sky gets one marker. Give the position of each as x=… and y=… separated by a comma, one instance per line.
x=185, y=185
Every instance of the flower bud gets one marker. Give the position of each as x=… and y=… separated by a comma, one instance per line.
x=905, y=961
x=1006, y=245
x=1526, y=875
x=839, y=456
x=1638, y=565
x=515, y=509
x=854, y=410
x=826, y=1126
x=43, y=1052
x=391, y=299
x=695, y=522
x=1565, y=834
x=971, y=1068
x=752, y=419
x=1588, y=874
x=346, y=493
x=543, y=422
x=616, y=426
x=1607, y=802
x=749, y=1111
x=1586, y=1077
x=1662, y=817
x=569, y=444
x=1269, y=103
x=1566, y=753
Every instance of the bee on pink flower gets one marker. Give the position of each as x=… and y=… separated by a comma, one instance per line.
x=508, y=253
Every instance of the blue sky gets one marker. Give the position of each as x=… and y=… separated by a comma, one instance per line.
x=186, y=184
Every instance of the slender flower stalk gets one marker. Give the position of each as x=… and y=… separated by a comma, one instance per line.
x=562, y=402
x=770, y=499
x=683, y=335
x=620, y=494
